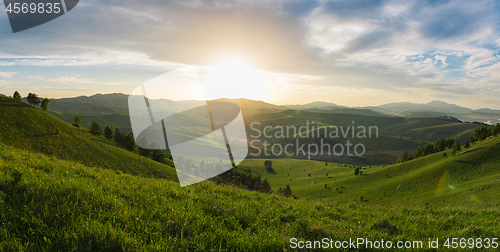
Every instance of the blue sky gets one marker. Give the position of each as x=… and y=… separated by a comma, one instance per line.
x=354, y=53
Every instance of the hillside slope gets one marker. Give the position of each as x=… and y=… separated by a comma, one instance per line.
x=48, y=204
x=471, y=178
x=31, y=129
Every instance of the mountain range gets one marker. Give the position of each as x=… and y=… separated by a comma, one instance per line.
x=117, y=103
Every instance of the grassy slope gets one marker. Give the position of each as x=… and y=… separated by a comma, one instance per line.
x=474, y=174
x=30, y=129
x=58, y=205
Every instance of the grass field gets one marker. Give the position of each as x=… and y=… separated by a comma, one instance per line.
x=473, y=174
x=48, y=204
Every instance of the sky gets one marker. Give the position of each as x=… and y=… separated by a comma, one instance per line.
x=352, y=53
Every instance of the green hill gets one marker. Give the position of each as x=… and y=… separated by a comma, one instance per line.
x=31, y=129
x=471, y=178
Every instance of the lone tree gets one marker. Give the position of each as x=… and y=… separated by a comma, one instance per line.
x=95, y=128
x=287, y=192
x=78, y=122
x=33, y=99
x=356, y=172
x=17, y=96
x=108, y=132
x=45, y=104
x=269, y=165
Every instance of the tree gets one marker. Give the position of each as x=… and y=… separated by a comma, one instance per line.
x=78, y=122
x=467, y=145
x=449, y=143
x=237, y=181
x=404, y=157
x=356, y=172
x=95, y=129
x=419, y=152
x=108, y=132
x=440, y=145
x=33, y=99
x=428, y=149
x=456, y=148
x=266, y=187
x=45, y=104
x=269, y=165
x=119, y=137
x=288, y=191
x=472, y=139
x=129, y=141
x=17, y=96
x=156, y=152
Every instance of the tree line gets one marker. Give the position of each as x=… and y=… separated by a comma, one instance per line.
x=480, y=133
x=127, y=141
x=33, y=100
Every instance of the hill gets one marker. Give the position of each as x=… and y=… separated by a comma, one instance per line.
x=49, y=204
x=395, y=134
x=31, y=129
x=471, y=178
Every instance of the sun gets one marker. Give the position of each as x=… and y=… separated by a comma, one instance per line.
x=235, y=66
x=234, y=78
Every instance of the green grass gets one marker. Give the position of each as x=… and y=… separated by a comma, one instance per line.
x=473, y=174
x=31, y=129
x=48, y=204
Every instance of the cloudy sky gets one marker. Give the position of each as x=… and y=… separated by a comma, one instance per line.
x=354, y=53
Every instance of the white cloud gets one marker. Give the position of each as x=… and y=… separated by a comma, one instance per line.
x=7, y=74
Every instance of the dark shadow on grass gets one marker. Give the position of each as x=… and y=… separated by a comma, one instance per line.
x=273, y=172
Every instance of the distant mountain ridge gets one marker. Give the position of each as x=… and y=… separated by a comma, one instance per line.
x=117, y=103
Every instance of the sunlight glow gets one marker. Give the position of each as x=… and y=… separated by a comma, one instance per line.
x=233, y=78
